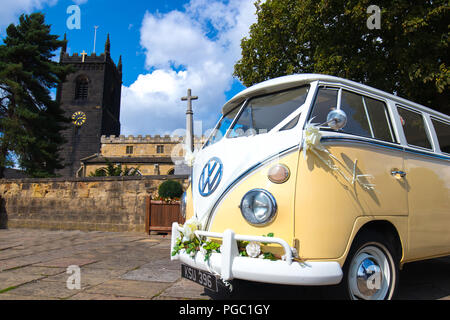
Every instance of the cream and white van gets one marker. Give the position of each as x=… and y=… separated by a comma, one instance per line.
x=316, y=180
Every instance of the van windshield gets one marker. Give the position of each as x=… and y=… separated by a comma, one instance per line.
x=262, y=114
x=222, y=127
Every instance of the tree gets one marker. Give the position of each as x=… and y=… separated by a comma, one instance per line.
x=30, y=120
x=170, y=189
x=408, y=55
x=112, y=170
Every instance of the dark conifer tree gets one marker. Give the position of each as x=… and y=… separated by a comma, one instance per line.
x=30, y=120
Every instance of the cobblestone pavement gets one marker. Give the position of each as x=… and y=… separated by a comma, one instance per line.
x=33, y=265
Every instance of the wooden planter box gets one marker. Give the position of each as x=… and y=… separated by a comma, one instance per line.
x=160, y=215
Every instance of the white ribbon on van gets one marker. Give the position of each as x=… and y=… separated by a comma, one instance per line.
x=311, y=142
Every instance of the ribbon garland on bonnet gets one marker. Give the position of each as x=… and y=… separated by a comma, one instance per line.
x=311, y=143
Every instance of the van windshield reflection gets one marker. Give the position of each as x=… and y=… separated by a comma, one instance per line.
x=262, y=114
x=221, y=128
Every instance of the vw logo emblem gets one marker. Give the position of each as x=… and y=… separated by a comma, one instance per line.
x=210, y=177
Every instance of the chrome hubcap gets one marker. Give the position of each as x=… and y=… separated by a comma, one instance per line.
x=368, y=277
x=369, y=274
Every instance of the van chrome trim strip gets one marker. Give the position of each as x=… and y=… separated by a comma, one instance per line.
x=356, y=140
x=386, y=145
x=438, y=156
x=243, y=175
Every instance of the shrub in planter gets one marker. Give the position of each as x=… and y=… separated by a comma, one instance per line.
x=170, y=189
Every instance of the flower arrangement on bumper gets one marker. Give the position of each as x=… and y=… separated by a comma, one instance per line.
x=191, y=244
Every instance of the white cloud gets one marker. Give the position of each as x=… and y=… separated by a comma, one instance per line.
x=12, y=9
x=195, y=48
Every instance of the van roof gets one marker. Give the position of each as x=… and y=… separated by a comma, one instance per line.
x=287, y=82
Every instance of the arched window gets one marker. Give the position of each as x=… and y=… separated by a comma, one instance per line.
x=81, y=88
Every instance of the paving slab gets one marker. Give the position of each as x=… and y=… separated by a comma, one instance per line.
x=97, y=296
x=65, y=262
x=118, y=263
x=7, y=296
x=88, y=276
x=45, y=289
x=162, y=270
x=8, y=281
x=42, y=271
x=18, y=262
x=184, y=289
x=130, y=288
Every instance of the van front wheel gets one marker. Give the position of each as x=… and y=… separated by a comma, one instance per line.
x=371, y=272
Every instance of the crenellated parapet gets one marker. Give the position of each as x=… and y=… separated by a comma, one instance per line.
x=131, y=139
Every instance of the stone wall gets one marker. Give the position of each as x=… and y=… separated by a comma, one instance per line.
x=92, y=203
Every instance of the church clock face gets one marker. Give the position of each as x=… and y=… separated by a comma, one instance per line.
x=79, y=118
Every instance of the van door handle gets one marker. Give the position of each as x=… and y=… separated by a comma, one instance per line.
x=398, y=173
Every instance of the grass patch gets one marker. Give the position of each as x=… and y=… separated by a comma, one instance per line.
x=7, y=289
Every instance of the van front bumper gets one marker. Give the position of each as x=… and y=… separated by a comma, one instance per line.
x=229, y=265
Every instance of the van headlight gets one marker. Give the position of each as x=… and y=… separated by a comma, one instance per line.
x=258, y=207
x=183, y=205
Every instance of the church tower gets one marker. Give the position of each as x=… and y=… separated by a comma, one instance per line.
x=90, y=97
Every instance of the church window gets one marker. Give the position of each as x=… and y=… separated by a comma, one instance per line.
x=129, y=150
x=81, y=88
x=160, y=149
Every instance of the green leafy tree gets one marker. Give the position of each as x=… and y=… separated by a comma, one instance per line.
x=112, y=170
x=170, y=189
x=30, y=120
x=408, y=55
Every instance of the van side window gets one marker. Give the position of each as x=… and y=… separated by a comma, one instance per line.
x=379, y=119
x=366, y=117
x=414, y=128
x=291, y=124
x=443, y=134
x=326, y=101
x=357, y=122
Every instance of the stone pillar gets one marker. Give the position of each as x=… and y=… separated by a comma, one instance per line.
x=189, y=120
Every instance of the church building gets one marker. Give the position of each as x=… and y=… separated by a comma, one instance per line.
x=150, y=155
x=90, y=97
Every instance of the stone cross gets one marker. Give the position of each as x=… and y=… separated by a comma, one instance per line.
x=83, y=54
x=189, y=120
x=189, y=98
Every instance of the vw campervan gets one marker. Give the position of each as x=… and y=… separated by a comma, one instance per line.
x=317, y=180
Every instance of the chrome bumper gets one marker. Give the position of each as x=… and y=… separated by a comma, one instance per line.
x=229, y=265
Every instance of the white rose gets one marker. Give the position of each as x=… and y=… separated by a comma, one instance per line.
x=253, y=249
x=188, y=229
x=189, y=158
x=202, y=249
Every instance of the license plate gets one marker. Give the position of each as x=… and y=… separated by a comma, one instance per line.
x=206, y=279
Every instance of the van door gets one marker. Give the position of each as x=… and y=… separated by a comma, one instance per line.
x=370, y=154
x=367, y=152
x=428, y=191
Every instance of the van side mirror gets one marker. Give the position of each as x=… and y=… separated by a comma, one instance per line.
x=336, y=119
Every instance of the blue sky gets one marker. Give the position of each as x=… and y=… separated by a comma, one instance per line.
x=166, y=47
